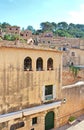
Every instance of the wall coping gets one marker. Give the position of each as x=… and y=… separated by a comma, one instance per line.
x=74, y=85
x=28, y=111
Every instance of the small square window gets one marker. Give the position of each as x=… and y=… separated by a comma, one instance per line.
x=43, y=41
x=48, y=41
x=32, y=129
x=34, y=120
x=73, y=53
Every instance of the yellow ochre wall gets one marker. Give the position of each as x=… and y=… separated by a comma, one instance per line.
x=22, y=89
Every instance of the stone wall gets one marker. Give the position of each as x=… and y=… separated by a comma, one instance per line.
x=72, y=106
x=74, y=103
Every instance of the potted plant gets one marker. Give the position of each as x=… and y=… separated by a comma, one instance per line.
x=71, y=119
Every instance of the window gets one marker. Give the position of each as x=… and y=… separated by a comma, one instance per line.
x=64, y=49
x=34, y=120
x=27, y=63
x=72, y=63
x=48, y=92
x=50, y=64
x=73, y=53
x=48, y=41
x=43, y=41
x=10, y=28
x=17, y=126
x=39, y=64
x=21, y=34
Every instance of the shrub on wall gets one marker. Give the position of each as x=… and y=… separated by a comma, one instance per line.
x=72, y=118
x=74, y=70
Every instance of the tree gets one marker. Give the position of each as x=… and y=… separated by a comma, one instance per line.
x=62, y=33
x=80, y=27
x=46, y=26
x=62, y=25
x=4, y=25
x=71, y=26
x=54, y=26
x=23, y=29
x=31, y=29
x=38, y=32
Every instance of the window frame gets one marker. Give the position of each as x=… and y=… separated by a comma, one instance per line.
x=39, y=64
x=48, y=92
x=72, y=53
x=50, y=64
x=34, y=120
x=27, y=64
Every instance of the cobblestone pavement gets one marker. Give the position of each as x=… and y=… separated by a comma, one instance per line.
x=65, y=127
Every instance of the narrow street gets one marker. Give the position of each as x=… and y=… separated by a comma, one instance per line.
x=78, y=125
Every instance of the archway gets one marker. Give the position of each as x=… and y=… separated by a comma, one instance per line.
x=39, y=64
x=27, y=63
x=50, y=64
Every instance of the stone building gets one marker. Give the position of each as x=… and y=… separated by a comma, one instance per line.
x=30, y=87
x=0, y=32
x=26, y=34
x=77, y=55
x=15, y=30
x=12, y=30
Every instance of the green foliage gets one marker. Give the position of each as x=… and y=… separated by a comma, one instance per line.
x=61, y=29
x=46, y=26
x=74, y=70
x=11, y=37
x=72, y=118
x=63, y=33
x=62, y=25
x=31, y=29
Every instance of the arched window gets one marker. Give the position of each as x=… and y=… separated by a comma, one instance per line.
x=27, y=63
x=50, y=64
x=39, y=64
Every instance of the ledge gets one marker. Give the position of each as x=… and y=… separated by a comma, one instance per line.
x=74, y=85
x=10, y=116
x=41, y=108
x=28, y=111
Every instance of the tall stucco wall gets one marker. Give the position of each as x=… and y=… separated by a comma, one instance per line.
x=21, y=89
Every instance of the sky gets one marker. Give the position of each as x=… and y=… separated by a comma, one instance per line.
x=33, y=12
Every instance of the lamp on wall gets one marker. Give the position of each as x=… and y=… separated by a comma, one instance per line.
x=64, y=100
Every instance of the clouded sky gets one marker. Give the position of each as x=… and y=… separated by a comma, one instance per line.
x=33, y=12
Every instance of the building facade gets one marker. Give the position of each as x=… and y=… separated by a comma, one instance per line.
x=30, y=87
x=13, y=30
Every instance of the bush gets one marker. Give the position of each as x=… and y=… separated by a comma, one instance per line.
x=11, y=37
x=72, y=118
